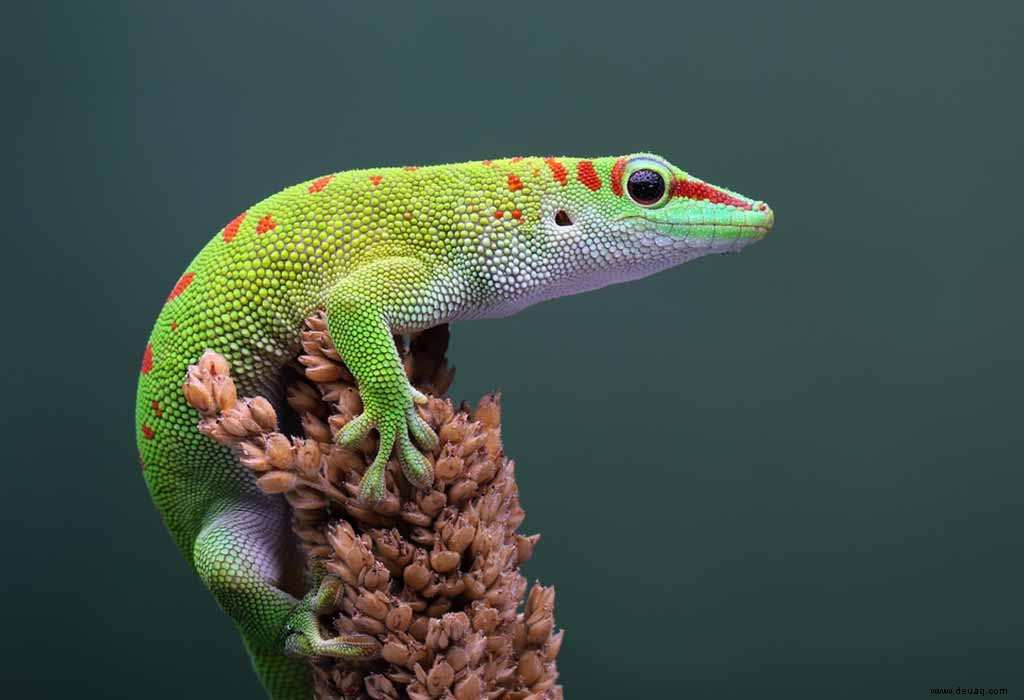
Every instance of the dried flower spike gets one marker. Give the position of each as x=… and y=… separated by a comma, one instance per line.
x=432, y=575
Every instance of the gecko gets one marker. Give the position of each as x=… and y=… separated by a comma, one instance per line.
x=383, y=251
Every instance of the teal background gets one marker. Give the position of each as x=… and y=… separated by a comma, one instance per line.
x=795, y=472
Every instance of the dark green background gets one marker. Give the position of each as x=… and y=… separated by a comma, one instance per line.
x=793, y=472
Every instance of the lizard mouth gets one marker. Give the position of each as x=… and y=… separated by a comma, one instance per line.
x=706, y=236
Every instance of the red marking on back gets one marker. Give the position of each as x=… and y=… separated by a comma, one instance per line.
x=514, y=183
x=157, y=410
x=147, y=432
x=486, y=162
x=411, y=168
x=375, y=179
x=586, y=174
x=516, y=214
x=147, y=359
x=517, y=159
x=265, y=224
x=558, y=171
x=231, y=230
x=174, y=325
x=498, y=214
x=320, y=183
x=703, y=191
x=617, y=169
x=536, y=172
x=182, y=285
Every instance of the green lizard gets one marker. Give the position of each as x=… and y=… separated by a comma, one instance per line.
x=387, y=250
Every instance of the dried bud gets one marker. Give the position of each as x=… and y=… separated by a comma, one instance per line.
x=224, y=393
x=263, y=413
x=530, y=667
x=198, y=393
x=303, y=398
x=443, y=561
x=307, y=457
x=320, y=369
x=399, y=618
x=376, y=577
x=277, y=482
x=416, y=576
x=350, y=402
x=432, y=502
x=469, y=688
x=233, y=423
x=395, y=653
x=539, y=631
x=448, y=467
x=279, y=451
x=488, y=411
x=554, y=645
x=253, y=457
x=315, y=428
x=379, y=687
x=373, y=604
x=440, y=678
x=462, y=490
x=454, y=431
x=213, y=364
x=524, y=548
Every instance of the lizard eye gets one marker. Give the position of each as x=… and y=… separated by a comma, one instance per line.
x=646, y=179
x=645, y=187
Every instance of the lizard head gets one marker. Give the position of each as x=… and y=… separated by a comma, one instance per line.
x=628, y=217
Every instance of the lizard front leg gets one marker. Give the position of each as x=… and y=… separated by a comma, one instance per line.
x=363, y=311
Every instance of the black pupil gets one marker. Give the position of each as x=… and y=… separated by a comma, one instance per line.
x=646, y=186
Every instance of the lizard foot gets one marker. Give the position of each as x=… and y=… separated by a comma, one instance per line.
x=303, y=629
x=397, y=427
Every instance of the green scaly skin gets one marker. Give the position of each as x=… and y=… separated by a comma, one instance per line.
x=384, y=251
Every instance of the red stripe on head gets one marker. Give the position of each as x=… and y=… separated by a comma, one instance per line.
x=231, y=230
x=586, y=174
x=147, y=359
x=320, y=183
x=617, y=169
x=159, y=412
x=557, y=171
x=147, y=432
x=182, y=285
x=514, y=183
x=703, y=191
x=375, y=179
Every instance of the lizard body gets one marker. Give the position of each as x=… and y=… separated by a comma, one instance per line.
x=386, y=250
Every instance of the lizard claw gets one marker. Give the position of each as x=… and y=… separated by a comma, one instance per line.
x=303, y=637
x=397, y=428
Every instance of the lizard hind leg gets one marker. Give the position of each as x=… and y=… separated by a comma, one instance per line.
x=243, y=555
